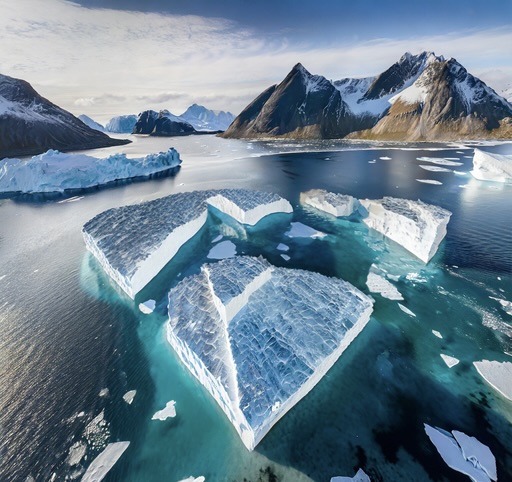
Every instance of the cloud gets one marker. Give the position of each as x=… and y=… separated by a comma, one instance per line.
x=103, y=62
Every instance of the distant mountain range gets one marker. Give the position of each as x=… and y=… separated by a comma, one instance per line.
x=31, y=124
x=420, y=97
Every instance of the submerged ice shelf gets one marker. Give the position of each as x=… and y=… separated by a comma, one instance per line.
x=234, y=326
x=163, y=226
x=417, y=226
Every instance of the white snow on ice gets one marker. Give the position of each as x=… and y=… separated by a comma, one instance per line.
x=169, y=411
x=449, y=360
x=147, y=307
x=378, y=284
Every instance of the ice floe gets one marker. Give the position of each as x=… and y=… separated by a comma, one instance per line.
x=430, y=181
x=378, y=284
x=225, y=249
x=449, y=360
x=163, y=226
x=193, y=479
x=435, y=168
x=76, y=453
x=285, y=257
x=385, y=158
x=283, y=247
x=242, y=340
x=169, y=411
x=417, y=226
x=406, y=310
x=360, y=476
x=336, y=204
x=436, y=333
x=147, y=307
x=497, y=374
x=491, y=167
x=464, y=454
x=129, y=396
x=299, y=230
x=441, y=161
x=101, y=465
x=104, y=392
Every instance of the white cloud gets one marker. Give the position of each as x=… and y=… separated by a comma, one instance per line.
x=104, y=62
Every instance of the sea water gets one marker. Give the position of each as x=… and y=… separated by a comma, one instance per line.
x=68, y=332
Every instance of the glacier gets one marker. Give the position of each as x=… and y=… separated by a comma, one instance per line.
x=491, y=167
x=336, y=204
x=417, y=226
x=163, y=226
x=259, y=337
x=54, y=171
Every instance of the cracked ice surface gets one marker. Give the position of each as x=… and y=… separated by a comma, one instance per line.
x=162, y=226
x=329, y=202
x=417, y=226
x=261, y=354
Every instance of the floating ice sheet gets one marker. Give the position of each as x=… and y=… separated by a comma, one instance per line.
x=299, y=230
x=336, y=204
x=259, y=338
x=449, y=360
x=104, y=462
x=440, y=161
x=430, y=181
x=163, y=226
x=147, y=307
x=129, y=396
x=497, y=374
x=169, y=411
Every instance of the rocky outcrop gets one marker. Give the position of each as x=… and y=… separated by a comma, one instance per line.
x=162, y=123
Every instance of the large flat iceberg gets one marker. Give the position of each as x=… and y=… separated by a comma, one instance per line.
x=497, y=374
x=492, y=167
x=259, y=338
x=336, y=204
x=162, y=227
x=417, y=226
x=55, y=171
x=101, y=465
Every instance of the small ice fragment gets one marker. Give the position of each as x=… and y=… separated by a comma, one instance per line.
x=299, y=230
x=282, y=247
x=373, y=161
x=497, y=374
x=104, y=392
x=498, y=278
x=406, y=310
x=285, y=257
x=169, y=411
x=76, y=453
x=193, y=479
x=385, y=158
x=459, y=152
x=436, y=333
x=147, y=307
x=378, y=284
x=2, y=277
x=225, y=249
x=104, y=462
x=129, y=396
x=435, y=168
x=449, y=360
x=217, y=238
x=360, y=476
x=36, y=270
x=429, y=181
x=506, y=305
x=460, y=173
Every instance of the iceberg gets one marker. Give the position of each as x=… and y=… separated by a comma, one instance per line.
x=163, y=226
x=55, y=171
x=147, y=307
x=129, y=396
x=123, y=124
x=497, y=374
x=169, y=411
x=436, y=333
x=259, y=337
x=491, y=167
x=378, y=284
x=104, y=462
x=299, y=230
x=360, y=476
x=406, y=310
x=417, y=226
x=336, y=204
x=464, y=454
x=193, y=479
x=449, y=360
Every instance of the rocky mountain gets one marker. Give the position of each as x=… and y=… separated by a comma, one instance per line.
x=91, y=123
x=123, y=124
x=31, y=124
x=420, y=97
x=203, y=119
x=162, y=123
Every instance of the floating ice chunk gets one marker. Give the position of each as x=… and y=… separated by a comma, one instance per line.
x=373, y=161
x=129, y=396
x=104, y=392
x=163, y=226
x=491, y=167
x=360, y=476
x=97, y=431
x=477, y=453
x=242, y=342
x=194, y=479
x=436, y=333
x=55, y=171
x=379, y=284
x=460, y=173
x=147, y=307
x=447, y=161
x=104, y=462
x=497, y=374
x=385, y=158
x=282, y=247
x=217, y=238
x=76, y=453
x=435, y=168
x=336, y=204
x=454, y=456
x=225, y=249
x=169, y=411
x=285, y=257
x=299, y=230
x=430, y=181
x=417, y=226
x=449, y=360
x=2, y=277
x=406, y=310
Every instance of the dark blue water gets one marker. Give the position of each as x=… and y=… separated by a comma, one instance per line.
x=67, y=333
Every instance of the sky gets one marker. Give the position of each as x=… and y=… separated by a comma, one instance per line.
x=111, y=57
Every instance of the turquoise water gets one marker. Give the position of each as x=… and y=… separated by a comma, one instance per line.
x=68, y=333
